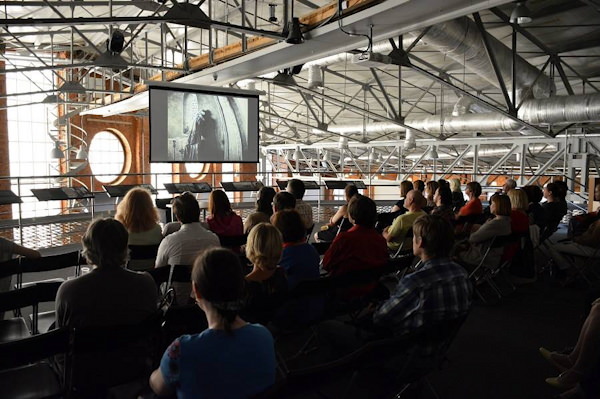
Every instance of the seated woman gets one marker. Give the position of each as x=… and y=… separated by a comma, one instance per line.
x=580, y=369
x=519, y=221
x=338, y=222
x=555, y=207
x=137, y=213
x=263, y=210
x=443, y=204
x=405, y=187
x=473, y=206
x=481, y=236
x=266, y=284
x=536, y=213
x=232, y=358
x=223, y=221
x=299, y=259
x=458, y=199
x=430, y=188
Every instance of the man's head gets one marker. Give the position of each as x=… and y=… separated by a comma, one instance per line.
x=433, y=237
x=186, y=208
x=283, y=200
x=290, y=225
x=414, y=201
x=105, y=243
x=296, y=188
x=362, y=211
x=510, y=184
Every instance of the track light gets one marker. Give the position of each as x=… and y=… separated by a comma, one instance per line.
x=520, y=14
x=56, y=152
x=294, y=32
x=297, y=155
x=72, y=86
x=433, y=154
x=81, y=154
x=272, y=17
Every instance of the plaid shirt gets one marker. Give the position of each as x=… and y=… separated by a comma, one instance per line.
x=439, y=290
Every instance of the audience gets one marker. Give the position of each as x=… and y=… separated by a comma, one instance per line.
x=458, y=199
x=537, y=215
x=396, y=234
x=419, y=185
x=338, y=222
x=137, y=213
x=264, y=208
x=284, y=201
x=359, y=248
x=405, y=187
x=443, y=204
x=473, y=206
x=430, y=188
x=104, y=297
x=223, y=221
x=555, y=207
x=182, y=247
x=232, y=358
x=509, y=185
x=299, y=259
x=266, y=284
x=297, y=189
x=472, y=252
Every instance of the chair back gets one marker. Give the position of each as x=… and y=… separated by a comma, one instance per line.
x=37, y=347
x=143, y=251
x=49, y=263
x=29, y=296
x=401, y=249
x=10, y=267
x=321, y=247
x=233, y=241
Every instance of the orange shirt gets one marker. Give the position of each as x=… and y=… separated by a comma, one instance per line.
x=473, y=207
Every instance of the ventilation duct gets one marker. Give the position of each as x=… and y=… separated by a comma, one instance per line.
x=315, y=77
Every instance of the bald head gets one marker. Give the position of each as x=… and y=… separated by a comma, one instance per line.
x=414, y=201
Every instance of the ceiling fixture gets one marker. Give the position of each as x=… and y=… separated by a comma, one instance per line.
x=433, y=154
x=72, y=86
x=51, y=99
x=56, y=152
x=295, y=35
x=297, y=154
x=114, y=47
x=520, y=14
x=410, y=142
x=81, y=154
x=272, y=17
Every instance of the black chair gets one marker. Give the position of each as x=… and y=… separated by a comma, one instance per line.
x=321, y=247
x=49, y=263
x=142, y=257
x=101, y=358
x=233, y=242
x=401, y=249
x=26, y=373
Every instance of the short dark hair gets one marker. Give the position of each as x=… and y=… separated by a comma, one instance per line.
x=405, y=187
x=186, y=208
x=534, y=193
x=284, y=200
x=264, y=200
x=350, y=191
x=105, y=243
x=363, y=211
x=296, y=188
x=436, y=234
x=218, y=277
x=445, y=195
x=475, y=187
x=419, y=185
x=290, y=224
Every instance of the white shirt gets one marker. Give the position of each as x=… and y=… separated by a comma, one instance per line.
x=182, y=247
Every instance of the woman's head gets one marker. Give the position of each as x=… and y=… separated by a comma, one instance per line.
x=405, y=187
x=105, y=243
x=443, y=196
x=350, y=191
x=290, y=225
x=264, y=200
x=430, y=188
x=136, y=212
x=264, y=246
x=218, y=203
x=500, y=205
x=473, y=189
x=419, y=185
x=554, y=192
x=455, y=185
x=218, y=279
x=518, y=199
x=534, y=193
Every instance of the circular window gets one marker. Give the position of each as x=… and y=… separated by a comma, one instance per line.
x=106, y=156
x=196, y=170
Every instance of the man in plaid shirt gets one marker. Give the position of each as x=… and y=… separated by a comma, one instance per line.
x=438, y=290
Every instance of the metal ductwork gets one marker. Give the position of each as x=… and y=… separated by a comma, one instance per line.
x=554, y=110
x=461, y=40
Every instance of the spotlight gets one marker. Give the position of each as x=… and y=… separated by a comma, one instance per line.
x=294, y=33
x=116, y=42
x=56, y=152
x=520, y=14
x=272, y=17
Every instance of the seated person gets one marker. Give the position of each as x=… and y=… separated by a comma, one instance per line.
x=458, y=199
x=232, y=358
x=266, y=284
x=264, y=208
x=473, y=206
x=299, y=259
x=472, y=252
x=437, y=291
x=580, y=368
x=519, y=221
x=338, y=222
x=405, y=187
x=137, y=213
x=395, y=235
x=419, y=185
x=536, y=213
x=430, y=188
x=284, y=200
x=509, y=184
x=443, y=204
x=297, y=189
x=109, y=294
x=555, y=207
x=359, y=248
x=222, y=220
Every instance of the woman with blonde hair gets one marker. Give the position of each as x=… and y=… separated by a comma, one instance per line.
x=137, y=213
x=266, y=282
x=458, y=199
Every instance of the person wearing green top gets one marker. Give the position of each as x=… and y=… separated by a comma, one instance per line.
x=396, y=233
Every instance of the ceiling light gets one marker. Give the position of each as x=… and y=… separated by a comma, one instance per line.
x=520, y=14
x=297, y=154
x=81, y=154
x=294, y=32
x=272, y=17
x=72, y=86
x=51, y=99
x=326, y=156
x=284, y=79
x=56, y=152
x=433, y=154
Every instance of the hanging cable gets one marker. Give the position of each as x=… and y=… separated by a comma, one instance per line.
x=369, y=37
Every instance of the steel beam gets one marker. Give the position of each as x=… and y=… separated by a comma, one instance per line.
x=455, y=162
x=384, y=92
x=546, y=166
x=498, y=164
x=417, y=162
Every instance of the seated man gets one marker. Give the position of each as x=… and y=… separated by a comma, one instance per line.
x=359, y=248
x=438, y=290
x=395, y=235
x=284, y=201
x=297, y=189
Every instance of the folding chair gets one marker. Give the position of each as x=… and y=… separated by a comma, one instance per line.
x=233, y=242
x=25, y=370
x=401, y=249
x=142, y=257
x=49, y=263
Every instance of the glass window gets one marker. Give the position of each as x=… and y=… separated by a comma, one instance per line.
x=196, y=170
x=106, y=156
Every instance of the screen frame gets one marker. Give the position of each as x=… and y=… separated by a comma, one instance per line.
x=210, y=90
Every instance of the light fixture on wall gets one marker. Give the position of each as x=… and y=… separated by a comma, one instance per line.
x=520, y=14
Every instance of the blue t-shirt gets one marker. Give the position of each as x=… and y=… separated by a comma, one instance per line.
x=217, y=364
x=301, y=262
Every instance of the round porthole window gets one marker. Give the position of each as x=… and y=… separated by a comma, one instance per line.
x=197, y=170
x=106, y=156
